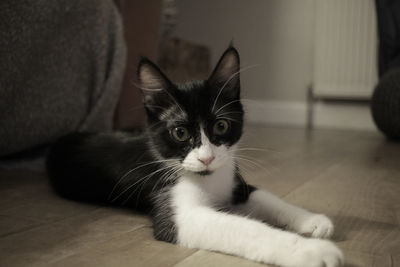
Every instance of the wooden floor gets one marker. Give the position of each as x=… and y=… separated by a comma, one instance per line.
x=353, y=177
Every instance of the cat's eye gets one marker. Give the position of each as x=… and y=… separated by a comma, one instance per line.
x=221, y=127
x=180, y=134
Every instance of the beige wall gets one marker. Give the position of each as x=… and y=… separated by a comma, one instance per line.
x=277, y=34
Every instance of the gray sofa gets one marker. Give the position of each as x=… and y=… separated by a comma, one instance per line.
x=61, y=64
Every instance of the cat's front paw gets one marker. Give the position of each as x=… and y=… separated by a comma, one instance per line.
x=317, y=253
x=315, y=225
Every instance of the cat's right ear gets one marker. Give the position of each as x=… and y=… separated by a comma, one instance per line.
x=225, y=78
x=154, y=86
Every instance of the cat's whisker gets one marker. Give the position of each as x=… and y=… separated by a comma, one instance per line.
x=242, y=167
x=166, y=174
x=250, y=157
x=130, y=171
x=172, y=167
x=242, y=180
x=270, y=152
x=273, y=168
x=227, y=118
x=252, y=161
x=234, y=153
x=234, y=101
x=158, y=90
x=161, y=178
x=251, y=169
x=230, y=78
x=143, y=179
x=138, y=167
x=246, y=166
x=178, y=170
x=142, y=186
x=230, y=103
x=166, y=177
x=255, y=149
x=231, y=112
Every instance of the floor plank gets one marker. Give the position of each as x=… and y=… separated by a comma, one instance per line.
x=212, y=259
x=135, y=248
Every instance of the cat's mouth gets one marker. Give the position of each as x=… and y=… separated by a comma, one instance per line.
x=204, y=173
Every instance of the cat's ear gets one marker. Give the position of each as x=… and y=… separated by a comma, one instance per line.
x=155, y=87
x=225, y=78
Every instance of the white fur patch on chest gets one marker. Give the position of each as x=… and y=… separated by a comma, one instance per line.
x=212, y=190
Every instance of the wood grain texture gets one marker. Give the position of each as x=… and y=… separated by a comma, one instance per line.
x=353, y=177
x=212, y=259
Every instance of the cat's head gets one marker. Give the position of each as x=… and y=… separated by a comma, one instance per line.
x=197, y=124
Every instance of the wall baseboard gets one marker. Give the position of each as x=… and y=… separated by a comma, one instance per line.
x=326, y=115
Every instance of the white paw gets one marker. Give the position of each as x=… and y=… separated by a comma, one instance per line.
x=317, y=253
x=315, y=225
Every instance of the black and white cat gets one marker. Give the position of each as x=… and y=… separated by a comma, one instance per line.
x=182, y=171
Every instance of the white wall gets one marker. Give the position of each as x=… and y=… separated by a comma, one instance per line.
x=276, y=34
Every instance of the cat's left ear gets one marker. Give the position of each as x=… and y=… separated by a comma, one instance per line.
x=155, y=87
x=225, y=78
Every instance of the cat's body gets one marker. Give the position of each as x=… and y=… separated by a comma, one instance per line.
x=183, y=171
x=119, y=169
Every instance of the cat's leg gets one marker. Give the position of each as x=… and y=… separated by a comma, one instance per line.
x=200, y=226
x=267, y=207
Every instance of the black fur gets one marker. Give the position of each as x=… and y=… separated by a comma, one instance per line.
x=242, y=190
x=87, y=166
x=122, y=168
x=161, y=214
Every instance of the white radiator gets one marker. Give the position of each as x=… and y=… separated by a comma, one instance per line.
x=345, y=59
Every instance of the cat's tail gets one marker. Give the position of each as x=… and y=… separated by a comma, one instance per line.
x=76, y=170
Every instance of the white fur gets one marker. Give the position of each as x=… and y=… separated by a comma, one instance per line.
x=196, y=200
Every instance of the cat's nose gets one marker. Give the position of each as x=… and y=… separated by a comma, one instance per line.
x=206, y=161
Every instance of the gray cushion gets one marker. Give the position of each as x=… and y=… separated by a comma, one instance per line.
x=61, y=66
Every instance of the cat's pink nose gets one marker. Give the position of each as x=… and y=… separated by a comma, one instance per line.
x=207, y=161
